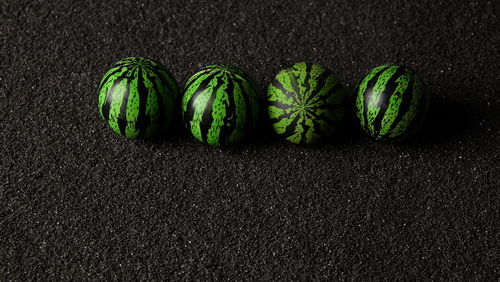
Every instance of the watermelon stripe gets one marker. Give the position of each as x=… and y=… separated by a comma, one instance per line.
x=286, y=111
x=305, y=103
x=333, y=92
x=207, y=118
x=278, y=85
x=383, y=101
x=110, y=74
x=370, y=84
x=293, y=83
x=248, y=124
x=403, y=82
x=219, y=105
x=306, y=83
x=110, y=95
x=324, y=106
x=105, y=86
x=290, y=128
x=245, y=89
x=122, y=118
x=142, y=121
x=229, y=106
x=135, y=97
x=160, y=104
x=162, y=116
x=361, y=88
x=377, y=92
x=195, y=78
x=321, y=116
x=305, y=132
x=321, y=79
x=152, y=111
x=286, y=114
x=168, y=82
x=390, y=103
x=190, y=103
x=406, y=101
x=114, y=109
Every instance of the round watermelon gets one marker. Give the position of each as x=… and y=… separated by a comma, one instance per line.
x=137, y=97
x=391, y=103
x=306, y=103
x=220, y=105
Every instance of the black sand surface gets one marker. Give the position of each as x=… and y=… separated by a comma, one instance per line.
x=78, y=201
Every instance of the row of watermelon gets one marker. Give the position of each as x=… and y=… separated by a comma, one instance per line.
x=220, y=104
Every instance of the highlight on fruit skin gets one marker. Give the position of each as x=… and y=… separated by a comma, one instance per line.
x=138, y=97
x=306, y=103
x=391, y=103
x=220, y=105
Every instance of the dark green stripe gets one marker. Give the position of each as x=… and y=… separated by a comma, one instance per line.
x=293, y=83
x=367, y=96
x=321, y=80
x=109, y=96
x=306, y=85
x=230, y=118
x=246, y=92
x=278, y=85
x=160, y=103
x=323, y=99
x=189, y=105
x=207, y=118
x=405, y=104
x=195, y=77
x=109, y=74
x=290, y=128
x=122, y=117
x=142, y=120
x=384, y=99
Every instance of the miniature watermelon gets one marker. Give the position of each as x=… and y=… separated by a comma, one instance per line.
x=391, y=103
x=220, y=105
x=306, y=103
x=137, y=97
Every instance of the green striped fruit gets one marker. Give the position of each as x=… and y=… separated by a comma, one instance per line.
x=137, y=97
x=391, y=103
x=220, y=105
x=306, y=103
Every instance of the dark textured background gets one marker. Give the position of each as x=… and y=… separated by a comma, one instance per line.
x=78, y=201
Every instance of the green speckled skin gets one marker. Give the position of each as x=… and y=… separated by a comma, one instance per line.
x=220, y=105
x=306, y=103
x=391, y=103
x=137, y=97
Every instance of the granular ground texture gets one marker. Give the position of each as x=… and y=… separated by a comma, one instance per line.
x=78, y=201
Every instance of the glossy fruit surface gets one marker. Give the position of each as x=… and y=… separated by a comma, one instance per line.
x=137, y=97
